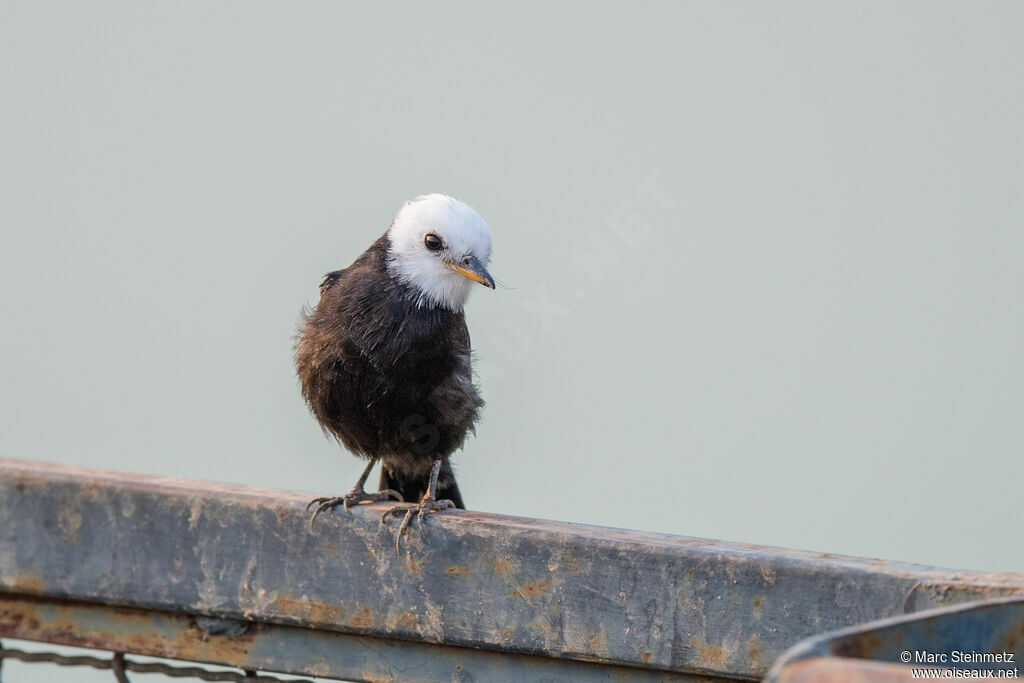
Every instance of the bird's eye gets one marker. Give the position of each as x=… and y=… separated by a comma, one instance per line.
x=433, y=242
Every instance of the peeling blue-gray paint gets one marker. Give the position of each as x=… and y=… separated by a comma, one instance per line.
x=467, y=579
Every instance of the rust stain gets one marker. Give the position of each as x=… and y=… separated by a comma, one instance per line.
x=12, y=621
x=1011, y=641
x=30, y=583
x=575, y=565
x=123, y=629
x=282, y=514
x=412, y=565
x=371, y=674
x=310, y=610
x=457, y=570
x=362, y=618
x=69, y=520
x=758, y=606
x=193, y=517
x=506, y=633
x=407, y=620
x=195, y=643
x=708, y=655
x=533, y=588
x=321, y=667
x=754, y=653
x=864, y=646
x=645, y=657
x=504, y=565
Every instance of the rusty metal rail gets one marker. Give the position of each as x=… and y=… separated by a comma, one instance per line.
x=984, y=637
x=229, y=575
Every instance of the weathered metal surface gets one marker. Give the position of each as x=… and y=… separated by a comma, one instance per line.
x=986, y=635
x=289, y=649
x=840, y=670
x=469, y=579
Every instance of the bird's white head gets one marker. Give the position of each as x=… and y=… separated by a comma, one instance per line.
x=440, y=247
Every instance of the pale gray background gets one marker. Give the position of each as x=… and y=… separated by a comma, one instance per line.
x=810, y=337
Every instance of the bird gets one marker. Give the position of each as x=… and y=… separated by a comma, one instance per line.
x=384, y=358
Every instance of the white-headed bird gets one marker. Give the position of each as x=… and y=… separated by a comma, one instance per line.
x=384, y=358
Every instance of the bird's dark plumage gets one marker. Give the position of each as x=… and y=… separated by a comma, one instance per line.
x=391, y=378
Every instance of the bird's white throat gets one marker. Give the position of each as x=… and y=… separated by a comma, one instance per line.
x=463, y=234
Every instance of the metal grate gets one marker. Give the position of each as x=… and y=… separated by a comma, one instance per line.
x=120, y=665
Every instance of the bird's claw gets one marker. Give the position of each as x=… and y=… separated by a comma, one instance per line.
x=425, y=506
x=353, y=497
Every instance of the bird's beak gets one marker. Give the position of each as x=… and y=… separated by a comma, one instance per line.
x=474, y=270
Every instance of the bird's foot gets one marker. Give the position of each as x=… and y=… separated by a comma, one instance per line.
x=425, y=506
x=353, y=497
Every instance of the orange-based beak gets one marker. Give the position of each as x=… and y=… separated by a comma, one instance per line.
x=471, y=267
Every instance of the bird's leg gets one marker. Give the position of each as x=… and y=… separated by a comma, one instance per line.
x=357, y=495
x=428, y=504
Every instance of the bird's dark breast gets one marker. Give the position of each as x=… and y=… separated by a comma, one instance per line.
x=391, y=380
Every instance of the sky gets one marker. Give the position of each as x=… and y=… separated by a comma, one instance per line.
x=759, y=264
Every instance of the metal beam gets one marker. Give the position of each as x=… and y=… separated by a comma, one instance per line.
x=986, y=636
x=842, y=670
x=289, y=649
x=468, y=579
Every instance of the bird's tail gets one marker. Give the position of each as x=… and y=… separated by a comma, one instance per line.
x=414, y=487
